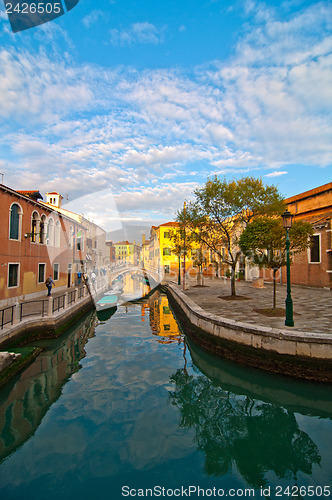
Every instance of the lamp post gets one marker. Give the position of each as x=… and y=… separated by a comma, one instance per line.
x=287, y=223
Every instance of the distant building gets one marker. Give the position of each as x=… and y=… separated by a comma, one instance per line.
x=92, y=240
x=127, y=253
x=110, y=256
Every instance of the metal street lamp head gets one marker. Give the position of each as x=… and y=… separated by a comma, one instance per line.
x=287, y=219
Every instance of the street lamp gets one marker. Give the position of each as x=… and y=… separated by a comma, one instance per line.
x=287, y=219
x=179, y=273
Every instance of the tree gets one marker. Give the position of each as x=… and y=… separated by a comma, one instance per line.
x=180, y=246
x=221, y=211
x=264, y=242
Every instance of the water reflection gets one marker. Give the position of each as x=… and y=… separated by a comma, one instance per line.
x=162, y=321
x=147, y=405
x=25, y=401
x=235, y=428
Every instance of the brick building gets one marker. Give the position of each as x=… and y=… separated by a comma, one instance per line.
x=36, y=242
x=314, y=266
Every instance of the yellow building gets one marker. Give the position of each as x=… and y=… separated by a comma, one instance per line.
x=127, y=253
x=164, y=252
x=162, y=321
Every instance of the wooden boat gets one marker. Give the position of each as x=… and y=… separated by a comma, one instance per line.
x=107, y=301
x=106, y=314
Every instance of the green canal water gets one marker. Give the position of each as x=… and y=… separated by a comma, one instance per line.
x=131, y=408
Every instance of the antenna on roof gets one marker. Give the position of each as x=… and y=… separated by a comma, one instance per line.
x=67, y=197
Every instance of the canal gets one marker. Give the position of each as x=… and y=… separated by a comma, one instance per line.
x=129, y=406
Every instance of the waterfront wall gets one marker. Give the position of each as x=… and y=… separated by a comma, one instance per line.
x=301, y=354
x=46, y=326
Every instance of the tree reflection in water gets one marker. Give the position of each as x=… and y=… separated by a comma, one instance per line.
x=230, y=429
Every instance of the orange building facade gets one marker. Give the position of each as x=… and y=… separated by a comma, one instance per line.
x=313, y=267
x=36, y=242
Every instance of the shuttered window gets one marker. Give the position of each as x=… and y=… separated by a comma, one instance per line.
x=14, y=230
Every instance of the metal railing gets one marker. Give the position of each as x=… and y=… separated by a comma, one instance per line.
x=33, y=307
x=10, y=315
x=58, y=303
x=39, y=307
x=71, y=297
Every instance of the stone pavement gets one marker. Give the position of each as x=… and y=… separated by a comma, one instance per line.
x=312, y=306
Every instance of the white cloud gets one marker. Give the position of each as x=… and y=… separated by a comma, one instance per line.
x=79, y=129
x=93, y=18
x=36, y=86
x=145, y=33
x=277, y=173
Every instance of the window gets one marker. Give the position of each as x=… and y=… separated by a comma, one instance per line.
x=56, y=273
x=13, y=275
x=57, y=234
x=14, y=227
x=71, y=236
x=50, y=232
x=42, y=230
x=166, y=269
x=167, y=251
x=80, y=240
x=314, y=254
x=34, y=226
x=166, y=234
x=41, y=273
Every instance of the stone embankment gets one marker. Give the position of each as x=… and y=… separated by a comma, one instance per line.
x=279, y=349
x=45, y=317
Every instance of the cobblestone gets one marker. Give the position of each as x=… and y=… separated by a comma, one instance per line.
x=312, y=306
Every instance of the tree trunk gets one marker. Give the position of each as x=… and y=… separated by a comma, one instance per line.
x=274, y=289
x=233, y=291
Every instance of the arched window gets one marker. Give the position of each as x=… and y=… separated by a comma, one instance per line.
x=34, y=226
x=80, y=240
x=71, y=236
x=42, y=230
x=57, y=234
x=15, y=221
x=50, y=232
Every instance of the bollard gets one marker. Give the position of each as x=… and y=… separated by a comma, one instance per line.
x=50, y=306
x=16, y=313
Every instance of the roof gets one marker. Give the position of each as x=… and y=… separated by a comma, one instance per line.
x=312, y=192
x=322, y=218
x=34, y=194
x=168, y=224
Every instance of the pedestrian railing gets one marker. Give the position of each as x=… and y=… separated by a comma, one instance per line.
x=58, y=303
x=71, y=297
x=42, y=307
x=7, y=316
x=33, y=308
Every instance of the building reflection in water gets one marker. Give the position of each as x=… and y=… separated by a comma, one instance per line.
x=162, y=321
x=25, y=401
x=236, y=423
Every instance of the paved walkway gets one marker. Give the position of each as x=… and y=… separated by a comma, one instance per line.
x=312, y=307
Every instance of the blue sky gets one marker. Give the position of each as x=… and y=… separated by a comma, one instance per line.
x=147, y=99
